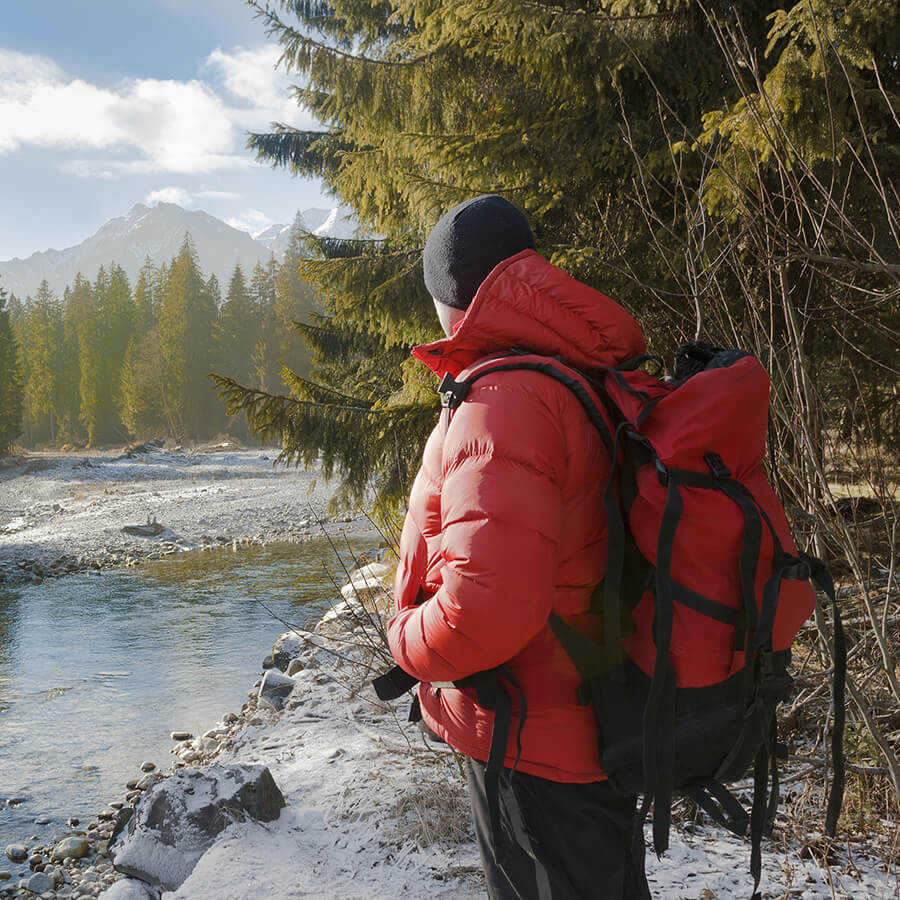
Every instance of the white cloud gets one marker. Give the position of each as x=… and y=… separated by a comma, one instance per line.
x=250, y=77
x=169, y=194
x=250, y=220
x=144, y=126
x=217, y=195
x=185, y=198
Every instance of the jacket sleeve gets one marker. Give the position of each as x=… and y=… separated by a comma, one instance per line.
x=504, y=468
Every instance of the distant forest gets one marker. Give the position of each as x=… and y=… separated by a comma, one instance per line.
x=109, y=362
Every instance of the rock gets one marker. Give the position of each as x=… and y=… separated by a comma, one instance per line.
x=148, y=766
x=128, y=889
x=229, y=718
x=151, y=529
x=275, y=688
x=5, y=876
x=268, y=662
x=75, y=846
x=123, y=817
x=288, y=646
x=35, y=860
x=181, y=736
x=17, y=853
x=151, y=778
x=73, y=822
x=179, y=819
x=39, y=883
x=294, y=666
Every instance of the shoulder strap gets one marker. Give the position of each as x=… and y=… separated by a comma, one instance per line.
x=454, y=392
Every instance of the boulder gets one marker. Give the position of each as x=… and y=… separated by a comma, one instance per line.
x=362, y=588
x=75, y=846
x=129, y=889
x=178, y=820
x=288, y=646
x=275, y=688
x=17, y=852
x=39, y=883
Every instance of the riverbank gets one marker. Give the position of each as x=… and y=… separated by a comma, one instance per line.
x=374, y=811
x=68, y=512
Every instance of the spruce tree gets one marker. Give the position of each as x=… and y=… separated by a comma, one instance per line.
x=42, y=342
x=11, y=380
x=625, y=131
x=236, y=329
x=186, y=343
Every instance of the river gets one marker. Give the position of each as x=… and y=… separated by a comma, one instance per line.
x=97, y=670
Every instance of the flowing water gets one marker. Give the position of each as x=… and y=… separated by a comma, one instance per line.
x=97, y=670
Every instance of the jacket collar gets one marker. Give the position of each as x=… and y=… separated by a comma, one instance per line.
x=528, y=304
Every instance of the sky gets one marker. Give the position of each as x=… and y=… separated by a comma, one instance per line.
x=105, y=103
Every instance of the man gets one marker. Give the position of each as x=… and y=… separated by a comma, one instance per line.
x=505, y=525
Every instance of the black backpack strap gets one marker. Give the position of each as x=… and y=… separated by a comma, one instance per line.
x=822, y=577
x=659, y=711
x=720, y=805
x=393, y=684
x=493, y=696
x=557, y=369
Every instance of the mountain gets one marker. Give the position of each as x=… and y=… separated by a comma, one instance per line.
x=157, y=232
x=338, y=222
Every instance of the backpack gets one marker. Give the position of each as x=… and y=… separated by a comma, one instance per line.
x=704, y=593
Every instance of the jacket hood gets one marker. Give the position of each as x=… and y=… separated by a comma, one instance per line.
x=528, y=304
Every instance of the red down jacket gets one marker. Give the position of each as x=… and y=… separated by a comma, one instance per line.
x=506, y=520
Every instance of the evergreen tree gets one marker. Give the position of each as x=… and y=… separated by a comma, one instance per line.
x=69, y=374
x=627, y=130
x=11, y=380
x=118, y=311
x=147, y=298
x=42, y=342
x=185, y=338
x=264, y=292
x=83, y=324
x=236, y=329
x=294, y=305
x=142, y=387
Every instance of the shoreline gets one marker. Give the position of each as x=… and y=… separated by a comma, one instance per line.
x=326, y=677
x=63, y=513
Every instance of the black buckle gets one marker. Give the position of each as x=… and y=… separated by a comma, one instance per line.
x=662, y=474
x=452, y=392
x=792, y=568
x=717, y=465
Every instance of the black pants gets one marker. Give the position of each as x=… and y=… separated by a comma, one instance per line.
x=561, y=841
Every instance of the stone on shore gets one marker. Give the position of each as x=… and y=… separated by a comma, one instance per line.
x=129, y=889
x=17, y=852
x=75, y=846
x=178, y=820
x=39, y=883
x=288, y=646
x=275, y=688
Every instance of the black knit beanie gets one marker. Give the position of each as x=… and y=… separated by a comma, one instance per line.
x=468, y=242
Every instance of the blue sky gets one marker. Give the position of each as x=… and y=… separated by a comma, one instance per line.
x=105, y=103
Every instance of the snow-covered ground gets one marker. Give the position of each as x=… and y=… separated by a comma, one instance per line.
x=373, y=811
x=62, y=512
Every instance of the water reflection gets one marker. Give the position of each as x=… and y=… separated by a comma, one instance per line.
x=95, y=671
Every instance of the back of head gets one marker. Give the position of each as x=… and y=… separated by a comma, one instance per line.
x=468, y=242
